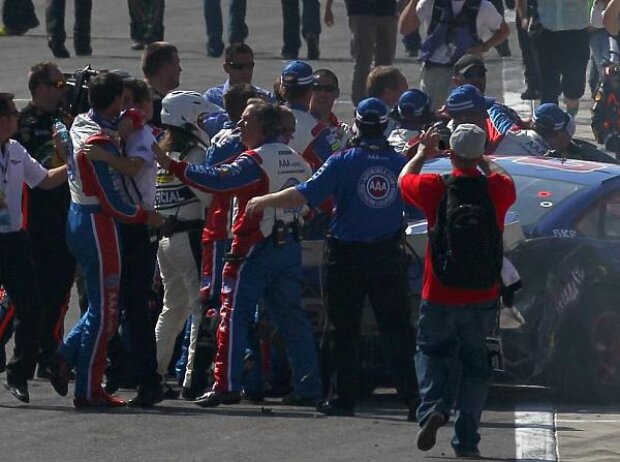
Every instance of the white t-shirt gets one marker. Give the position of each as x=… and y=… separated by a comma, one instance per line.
x=16, y=167
x=488, y=22
x=139, y=145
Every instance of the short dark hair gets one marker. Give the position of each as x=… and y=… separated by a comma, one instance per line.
x=236, y=99
x=269, y=117
x=40, y=73
x=139, y=90
x=155, y=56
x=104, y=89
x=236, y=49
x=294, y=93
x=5, y=103
x=327, y=73
x=382, y=78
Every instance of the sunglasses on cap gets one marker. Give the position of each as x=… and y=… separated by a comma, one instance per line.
x=240, y=66
x=325, y=88
x=60, y=84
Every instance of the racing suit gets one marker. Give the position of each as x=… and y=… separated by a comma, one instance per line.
x=179, y=256
x=45, y=218
x=313, y=139
x=96, y=206
x=265, y=262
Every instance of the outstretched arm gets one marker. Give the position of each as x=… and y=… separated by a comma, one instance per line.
x=287, y=198
x=611, y=18
x=409, y=22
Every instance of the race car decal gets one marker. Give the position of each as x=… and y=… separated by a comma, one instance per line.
x=569, y=165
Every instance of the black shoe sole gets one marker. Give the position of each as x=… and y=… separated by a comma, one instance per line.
x=24, y=398
x=427, y=436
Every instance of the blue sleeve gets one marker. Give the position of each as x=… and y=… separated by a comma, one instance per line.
x=503, y=118
x=322, y=184
x=224, y=153
x=215, y=122
x=227, y=177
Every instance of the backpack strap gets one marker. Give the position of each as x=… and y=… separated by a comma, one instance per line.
x=438, y=14
x=470, y=11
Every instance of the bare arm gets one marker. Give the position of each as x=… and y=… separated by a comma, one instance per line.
x=286, y=198
x=611, y=17
x=55, y=177
x=328, y=17
x=489, y=167
x=129, y=166
x=409, y=21
x=498, y=37
x=427, y=149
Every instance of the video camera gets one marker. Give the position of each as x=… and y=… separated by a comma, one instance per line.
x=77, y=90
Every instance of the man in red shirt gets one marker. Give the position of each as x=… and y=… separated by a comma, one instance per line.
x=453, y=321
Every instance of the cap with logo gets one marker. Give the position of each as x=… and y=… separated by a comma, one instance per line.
x=412, y=103
x=468, y=98
x=297, y=74
x=551, y=118
x=371, y=111
x=468, y=141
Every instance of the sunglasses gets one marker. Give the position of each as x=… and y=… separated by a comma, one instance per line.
x=60, y=84
x=325, y=88
x=240, y=66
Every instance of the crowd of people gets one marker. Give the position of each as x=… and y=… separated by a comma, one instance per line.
x=211, y=194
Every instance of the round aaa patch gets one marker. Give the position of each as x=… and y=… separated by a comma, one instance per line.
x=377, y=187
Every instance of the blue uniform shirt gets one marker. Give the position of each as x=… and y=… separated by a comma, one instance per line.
x=363, y=183
x=215, y=95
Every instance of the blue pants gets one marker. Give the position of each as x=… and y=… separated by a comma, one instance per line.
x=273, y=274
x=452, y=340
x=310, y=23
x=93, y=241
x=237, y=28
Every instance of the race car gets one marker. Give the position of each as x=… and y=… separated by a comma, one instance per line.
x=563, y=236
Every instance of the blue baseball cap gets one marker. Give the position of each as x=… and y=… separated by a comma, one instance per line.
x=412, y=103
x=371, y=111
x=297, y=74
x=468, y=98
x=550, y=117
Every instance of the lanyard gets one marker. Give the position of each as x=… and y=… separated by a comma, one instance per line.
x=5, y=161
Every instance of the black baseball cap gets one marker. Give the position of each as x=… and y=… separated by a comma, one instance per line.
x=468, y=62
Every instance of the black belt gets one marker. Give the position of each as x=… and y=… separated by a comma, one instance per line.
x=174, y=226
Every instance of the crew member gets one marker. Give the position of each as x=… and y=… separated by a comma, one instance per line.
x=366, y=256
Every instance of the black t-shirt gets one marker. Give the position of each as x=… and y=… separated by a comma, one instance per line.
x=156, y=97
x=371, y=7
x=45, y=210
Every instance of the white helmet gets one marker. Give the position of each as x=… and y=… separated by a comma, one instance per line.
x=188, y=110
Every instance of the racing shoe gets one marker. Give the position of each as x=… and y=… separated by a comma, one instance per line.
x=102, y=401
x=19, y=391
x=467, y=453
x=215, y=398
x=427, y=436
x=60, y=373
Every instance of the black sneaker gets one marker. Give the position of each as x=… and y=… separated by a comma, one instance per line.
x=467, y=453
x=147, y=397
x=170, y=393
x=215, y=398
x=289, y=55
x=427, y=436
x=336, y=408
x=83, y=50
x=253, y=398
x=530, y=94
x=59, y=50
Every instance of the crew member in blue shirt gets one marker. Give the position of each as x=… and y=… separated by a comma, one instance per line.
x=366, y=254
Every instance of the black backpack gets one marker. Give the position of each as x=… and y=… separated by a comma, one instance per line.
x=466, y=243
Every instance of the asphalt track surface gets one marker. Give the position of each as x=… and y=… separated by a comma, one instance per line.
x=518, y=424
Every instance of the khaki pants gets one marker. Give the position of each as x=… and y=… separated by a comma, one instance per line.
x=373, y=37
x=436, y=82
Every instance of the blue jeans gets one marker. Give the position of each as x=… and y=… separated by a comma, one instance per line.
x=237, y=28
x=310, y=23
x=452, y=363
x=599, y=55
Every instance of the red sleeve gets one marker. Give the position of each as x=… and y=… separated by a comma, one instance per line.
x=423, y=190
